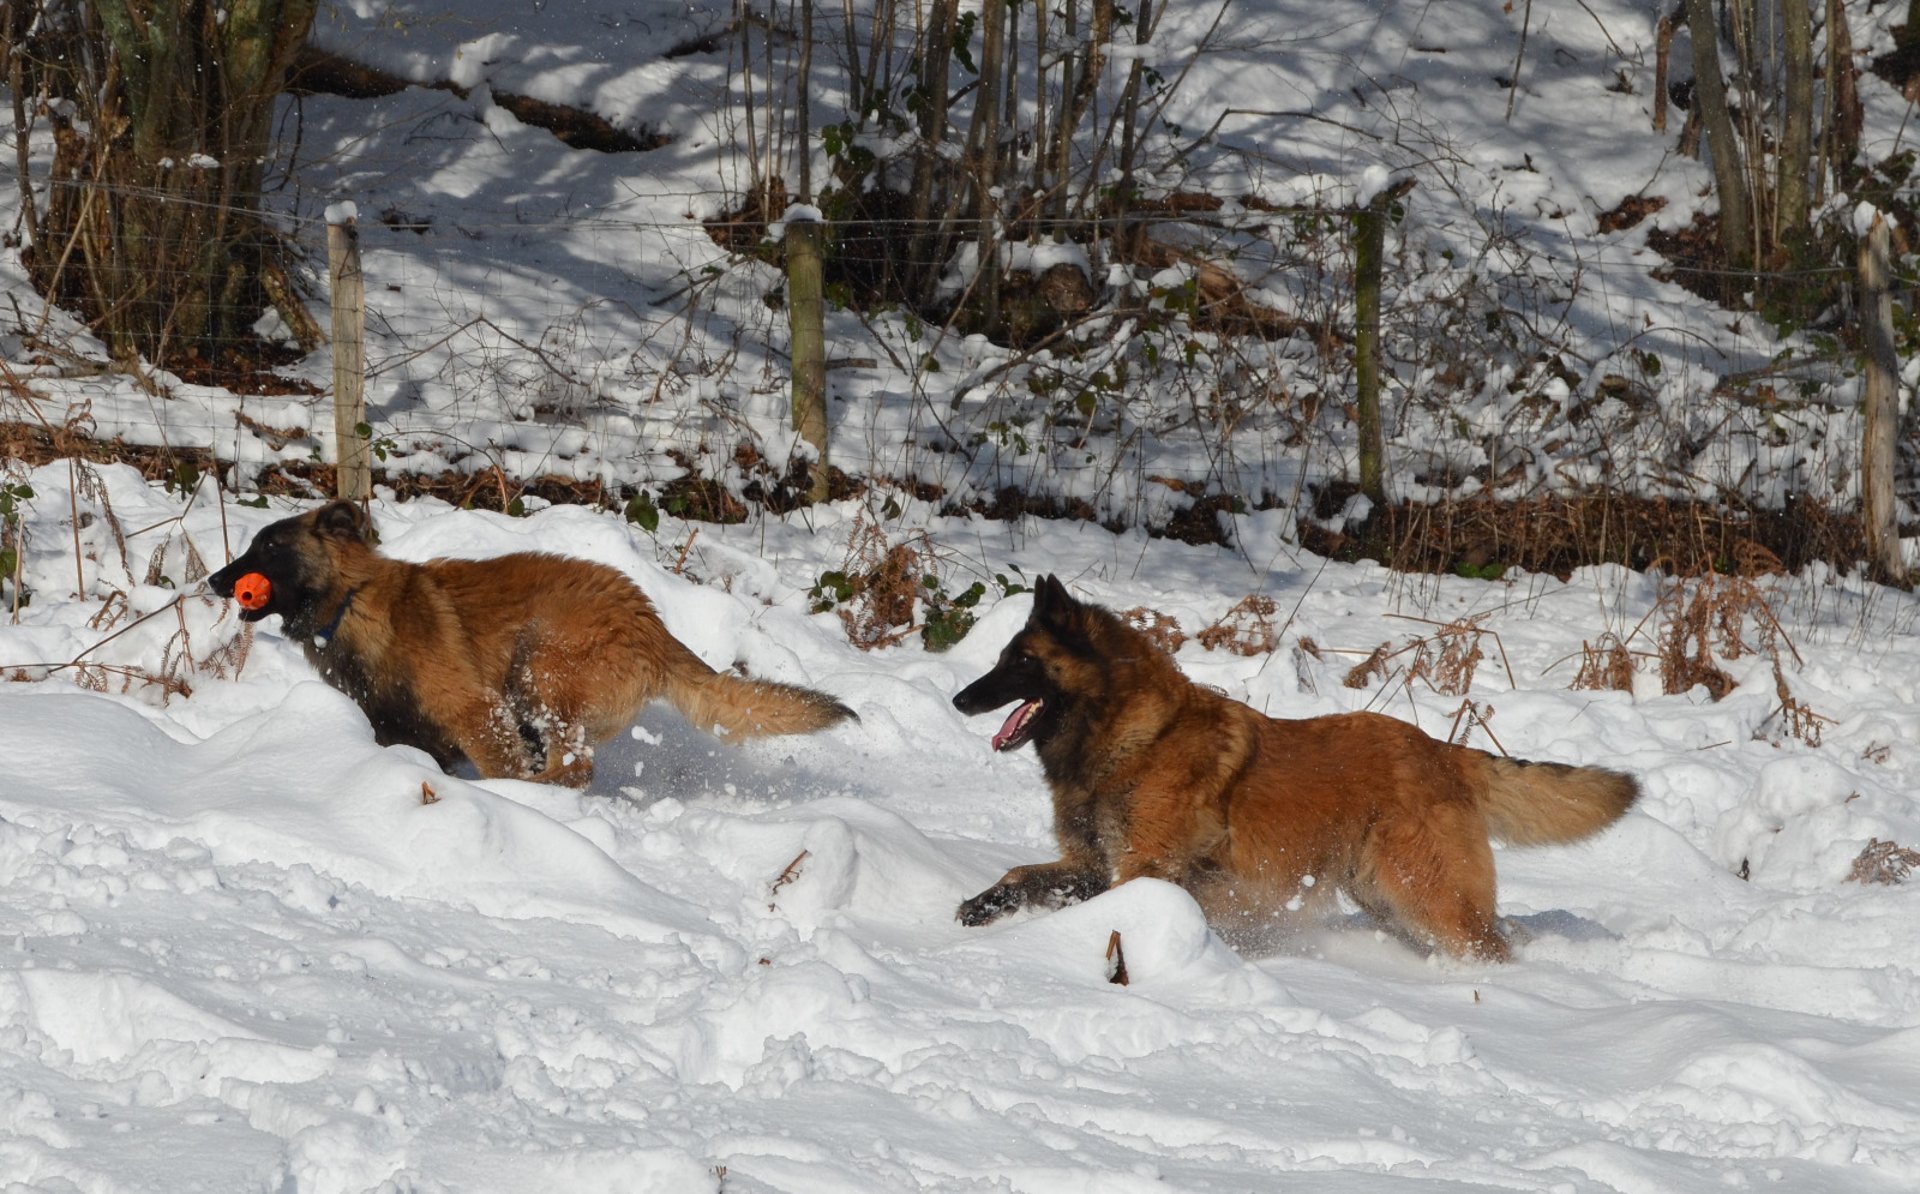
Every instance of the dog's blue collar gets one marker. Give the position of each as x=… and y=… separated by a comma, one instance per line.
x=324, y=635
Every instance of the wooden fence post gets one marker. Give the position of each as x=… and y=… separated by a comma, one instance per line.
x=1369, y=253
x=1879, y=516
x=353, y=479
x=806, y=321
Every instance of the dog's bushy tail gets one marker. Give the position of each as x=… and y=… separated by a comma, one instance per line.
x=1537, y=804
x=730, y=706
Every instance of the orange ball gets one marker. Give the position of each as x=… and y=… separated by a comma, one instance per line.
x=253, y=591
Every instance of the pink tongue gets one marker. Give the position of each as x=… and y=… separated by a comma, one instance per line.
x=1012, y=726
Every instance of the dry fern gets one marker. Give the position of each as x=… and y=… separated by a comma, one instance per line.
x=1704, y=620
x=1883, y=862
x=1163, y=629
x=1448, y=659
x=1606, y=666
x=226, y=661
x=1798, y=718
x=1246, y=629
x=882, y=581
x=1364, y=672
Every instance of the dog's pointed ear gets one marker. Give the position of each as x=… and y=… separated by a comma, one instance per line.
x=342, y=520
x=1051, y=601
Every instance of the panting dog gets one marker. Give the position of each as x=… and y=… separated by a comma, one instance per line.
x=1154, y=775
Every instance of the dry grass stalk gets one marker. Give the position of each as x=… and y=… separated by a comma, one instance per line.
x=686, y=549
x=1883, y=862
x=1607, y=666
x=111, y=610
x=1163, y=629
x=1466, y=717
x=1246, y=629
x=178, y=664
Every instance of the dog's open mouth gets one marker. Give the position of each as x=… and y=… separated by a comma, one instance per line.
x=1018, y=726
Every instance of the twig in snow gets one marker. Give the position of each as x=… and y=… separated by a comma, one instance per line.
x=787, y=876
x=1116, y=961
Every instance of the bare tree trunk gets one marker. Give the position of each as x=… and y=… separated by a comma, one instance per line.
x=152, y=229
x=1878, y=514
x=1059, y=151
x=13, y=35
x=1130, y=104
x=985, y=144
x=1729, y=175
x=802, y=114
x=936, y=57
x=757, y=185
x=1093, y=60
x=1844, y=114
x=1796, y=134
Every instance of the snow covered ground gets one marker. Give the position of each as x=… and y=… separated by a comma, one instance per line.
x=241, y=953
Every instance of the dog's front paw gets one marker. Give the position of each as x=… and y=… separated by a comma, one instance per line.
x=990, y=905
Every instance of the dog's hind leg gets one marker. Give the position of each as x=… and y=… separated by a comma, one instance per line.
x=1432, y=874
x=569, y=756
x=557, y=749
